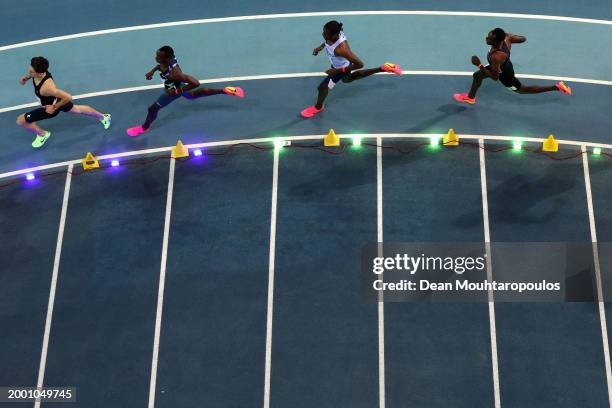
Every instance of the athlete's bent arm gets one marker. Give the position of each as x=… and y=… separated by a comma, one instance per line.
x=344, y=50
x=149, y=75
x=516, y=39
x=494, y=70
x=178, y=75
x=49, y=89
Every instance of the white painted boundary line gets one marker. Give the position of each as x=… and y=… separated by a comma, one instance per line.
x=271, y=260
x=162, y=283
x=302, y=15
x=302, y=75
x=491, y=300
x=598, y=281
x=381, y=304
x=295, y=138
x=52, y=289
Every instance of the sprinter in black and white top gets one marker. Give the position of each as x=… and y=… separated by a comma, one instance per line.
x=345, y=65
x=52, y=100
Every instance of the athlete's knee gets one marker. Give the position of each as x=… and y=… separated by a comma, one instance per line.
x=478, y=75
x=20, y=119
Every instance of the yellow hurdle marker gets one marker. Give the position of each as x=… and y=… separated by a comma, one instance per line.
x=179, y=151
x=450, y=139
x=550, y=144
x=331, y=139
x=90, y=162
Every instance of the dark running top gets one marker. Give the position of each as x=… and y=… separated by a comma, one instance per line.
x=505, y=49
x=44, y=100
x=168, y=83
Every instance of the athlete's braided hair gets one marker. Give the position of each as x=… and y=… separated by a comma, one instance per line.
x=166, y=49
x=334, y=27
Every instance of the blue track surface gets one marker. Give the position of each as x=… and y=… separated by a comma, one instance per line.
x=78, y=16
x=325, y=339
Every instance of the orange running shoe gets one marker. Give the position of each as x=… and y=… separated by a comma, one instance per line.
x=233, y=90
x=563, y=88
x=464, y=98
x=391, y=68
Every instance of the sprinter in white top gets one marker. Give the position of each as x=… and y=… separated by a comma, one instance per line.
x=345, y=65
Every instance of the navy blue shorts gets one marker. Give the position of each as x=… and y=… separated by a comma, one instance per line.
x=335, y=79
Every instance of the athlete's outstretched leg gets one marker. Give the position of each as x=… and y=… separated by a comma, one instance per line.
x=362, y=73
x=151, y=116
x=478, y=77
x=203, y=92
x=104, y=118
x=470, y=97
x=32, y=127
x=86, y=110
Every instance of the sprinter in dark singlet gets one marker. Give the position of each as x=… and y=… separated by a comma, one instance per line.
x=176, y=84
x=500, y=68
x=52, y=101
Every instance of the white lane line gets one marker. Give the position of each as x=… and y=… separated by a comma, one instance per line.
x=491, y=300
x=56, y=264
x=381, y=304
x=301, y=75
x=162, y=283
x=302, y=15
x=598, y=281
x=268, y=363
x=295, y=138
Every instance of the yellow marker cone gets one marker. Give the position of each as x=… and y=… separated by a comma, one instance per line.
x=90, y=162
x=331, y=139
x=179, y=151
x=550, y=144
x=450, y=139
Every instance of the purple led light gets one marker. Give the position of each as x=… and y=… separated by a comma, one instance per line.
x=115, y=163
x=197, y=152
x=30, y=176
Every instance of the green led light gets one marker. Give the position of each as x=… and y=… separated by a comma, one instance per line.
x=278, y=144
x=356, y=141
x=517, y=145
x=597, y=151
x=435, y=141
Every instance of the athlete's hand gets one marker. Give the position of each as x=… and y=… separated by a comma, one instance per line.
x=149, y=75
x=332, y=71
x=23, y=80
x=475, y=60
x=316, y=51
x=171, y=92
x=50, y=109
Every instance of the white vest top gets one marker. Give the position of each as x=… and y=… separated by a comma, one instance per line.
x=337, y=62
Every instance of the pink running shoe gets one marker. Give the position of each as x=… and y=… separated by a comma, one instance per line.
x=232, y=90
x=310, y=111
x=136, y=130
x=464, y=98
x=563, y=88
x=391, y=68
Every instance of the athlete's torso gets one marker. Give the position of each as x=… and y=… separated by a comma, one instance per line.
x=165, y=75
x=336, y=61
x=504, y=49
x=44, y=100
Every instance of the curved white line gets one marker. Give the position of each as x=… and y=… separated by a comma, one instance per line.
x=298, y=15
x=143, y=152
x=304, y=75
